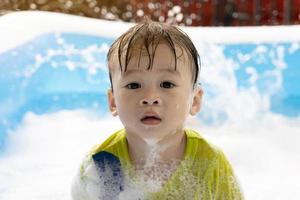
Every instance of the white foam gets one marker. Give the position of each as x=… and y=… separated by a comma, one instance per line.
x=88, y=56
x=45, y=151
x=264, y=154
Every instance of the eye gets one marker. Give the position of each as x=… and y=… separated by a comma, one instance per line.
x=167, y=84
x=133, y=86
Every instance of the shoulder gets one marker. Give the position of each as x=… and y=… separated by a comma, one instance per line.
x=207, y=155
x=88, y=177
x=110, y=144
x=212, y=162
x=201, y=148
x=107, y=149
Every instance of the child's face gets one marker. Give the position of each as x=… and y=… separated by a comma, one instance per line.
x=155, y=103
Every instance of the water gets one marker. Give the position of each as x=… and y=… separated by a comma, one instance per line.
x=53, y=108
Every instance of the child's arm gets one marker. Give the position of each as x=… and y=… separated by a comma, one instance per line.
x=85, y=185
x=224, y=184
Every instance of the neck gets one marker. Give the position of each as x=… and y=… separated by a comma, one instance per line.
x=154, y=152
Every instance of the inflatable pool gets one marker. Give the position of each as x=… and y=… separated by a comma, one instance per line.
x=54, y=65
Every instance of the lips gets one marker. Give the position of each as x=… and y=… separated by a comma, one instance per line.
x=151, y=119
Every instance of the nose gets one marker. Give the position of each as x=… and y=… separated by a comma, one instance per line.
x=150, y=100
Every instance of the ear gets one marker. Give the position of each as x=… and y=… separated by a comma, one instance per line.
x=111, y=102
x=197, y=101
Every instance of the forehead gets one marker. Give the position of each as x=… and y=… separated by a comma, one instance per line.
x=165, y=71
x=159, y=57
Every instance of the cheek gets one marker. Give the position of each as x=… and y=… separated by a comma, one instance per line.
x=181, y=103
x=126, y=102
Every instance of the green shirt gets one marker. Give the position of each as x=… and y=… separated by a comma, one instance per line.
x=203, y=174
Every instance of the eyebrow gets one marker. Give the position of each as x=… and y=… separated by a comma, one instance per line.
x=132, y=71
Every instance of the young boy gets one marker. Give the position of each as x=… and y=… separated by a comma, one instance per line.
x=153, y=70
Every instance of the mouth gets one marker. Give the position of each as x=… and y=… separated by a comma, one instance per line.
x=151, y=120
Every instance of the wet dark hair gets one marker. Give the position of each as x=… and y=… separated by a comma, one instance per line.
x=146, y=36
